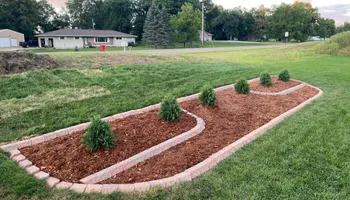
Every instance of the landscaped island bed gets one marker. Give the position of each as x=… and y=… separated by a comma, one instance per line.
x=233, y=117
x=67, y=159
x=277, y=85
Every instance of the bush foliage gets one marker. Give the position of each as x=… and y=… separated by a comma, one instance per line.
x=284, y=76
x=338, y=45
x=207, y=96
x=242, y=86
x=99, y=135
x=265, y=79
x=170, y=110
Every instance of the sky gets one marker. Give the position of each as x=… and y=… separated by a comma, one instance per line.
x=339, y=10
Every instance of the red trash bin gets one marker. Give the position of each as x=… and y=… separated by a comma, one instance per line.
x=102, y=48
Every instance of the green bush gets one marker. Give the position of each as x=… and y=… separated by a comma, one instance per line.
x=242, y=86
x=170, y=110
x=342, y=39
x=344, y=51
x=99, y=135
x=337, y=45
x=284, y=76
x=207, y=96
x=265, y=79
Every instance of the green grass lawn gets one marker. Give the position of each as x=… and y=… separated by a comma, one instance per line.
x=142, y=47
x=304, y=157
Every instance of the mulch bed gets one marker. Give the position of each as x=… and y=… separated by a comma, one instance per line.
x=277, y=85
x=67, y=159
x=233, y=117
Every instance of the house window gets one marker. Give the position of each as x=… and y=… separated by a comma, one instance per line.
x=101, y=40
x=77, y=38
x=62, y=38
x=118, y=38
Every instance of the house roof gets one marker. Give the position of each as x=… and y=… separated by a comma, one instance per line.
x=85, y=33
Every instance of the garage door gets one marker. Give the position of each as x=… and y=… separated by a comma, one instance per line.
x=5, y=42
x=14, y=42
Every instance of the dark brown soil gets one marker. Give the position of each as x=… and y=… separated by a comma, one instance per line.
x=68, y=160
x=277, y=85
x=233, y=117
x=20, y=61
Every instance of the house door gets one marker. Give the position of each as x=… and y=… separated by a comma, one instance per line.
x=42, y=42
x=51, y=42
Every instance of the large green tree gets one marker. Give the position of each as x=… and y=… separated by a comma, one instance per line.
x=187, y=24
x=343, y=28
x=298, y=19
x=261, y=22
x=30, y=17
x=118, y=15
x=325, y=27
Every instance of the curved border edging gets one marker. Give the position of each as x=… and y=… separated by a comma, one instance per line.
x=155, y=150
x=284, y=92
x=185, y=176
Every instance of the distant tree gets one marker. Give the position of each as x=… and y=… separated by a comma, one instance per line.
x=228, y=22
x=187, y=24
x=84, y=12
x=325, y=27
x=149, y=36
x=261, y=21
x=50, y=20
x=29, y=17
x=118, y=15
x=297, y=19
x=343, y=28
x=165, y=30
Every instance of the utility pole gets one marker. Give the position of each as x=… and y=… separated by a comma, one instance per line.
x=202, y=23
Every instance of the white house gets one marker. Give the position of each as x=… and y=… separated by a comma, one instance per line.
x=207, y=36
x=71, y=38
x=10, y=38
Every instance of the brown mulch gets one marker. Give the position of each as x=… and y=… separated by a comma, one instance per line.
x=233, y=117
x=68, y=160
x=277, y=85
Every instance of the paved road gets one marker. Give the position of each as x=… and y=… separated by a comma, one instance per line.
x=197, y=50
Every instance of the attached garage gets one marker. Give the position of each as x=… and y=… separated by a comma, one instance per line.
x=9, y=38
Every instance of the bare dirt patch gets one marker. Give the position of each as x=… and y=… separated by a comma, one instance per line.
x=20, y=61
x=233, y=117
x=68, y=160
x=277, y=85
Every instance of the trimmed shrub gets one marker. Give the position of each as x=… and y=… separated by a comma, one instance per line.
x=284, y=76
x=98, y=135
x=242, y=86
x=207, y=96
x=265, y=79
x=170, y=110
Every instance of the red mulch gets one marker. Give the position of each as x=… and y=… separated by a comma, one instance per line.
x=67, y=159
x=277, y=85
x=233, y=117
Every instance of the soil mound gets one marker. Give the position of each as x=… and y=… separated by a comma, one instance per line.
x=20, y=61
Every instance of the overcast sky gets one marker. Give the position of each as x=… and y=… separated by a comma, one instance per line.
x=336, y=9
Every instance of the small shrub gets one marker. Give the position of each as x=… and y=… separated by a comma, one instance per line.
x=284, y=76
x=98, y=135
x=170, y=110
x=265, y=79
x=242, y=86
x=207, y=96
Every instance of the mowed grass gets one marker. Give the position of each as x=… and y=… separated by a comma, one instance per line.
x=304, y=157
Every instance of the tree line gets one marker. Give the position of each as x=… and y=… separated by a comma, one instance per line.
x=180, y=18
